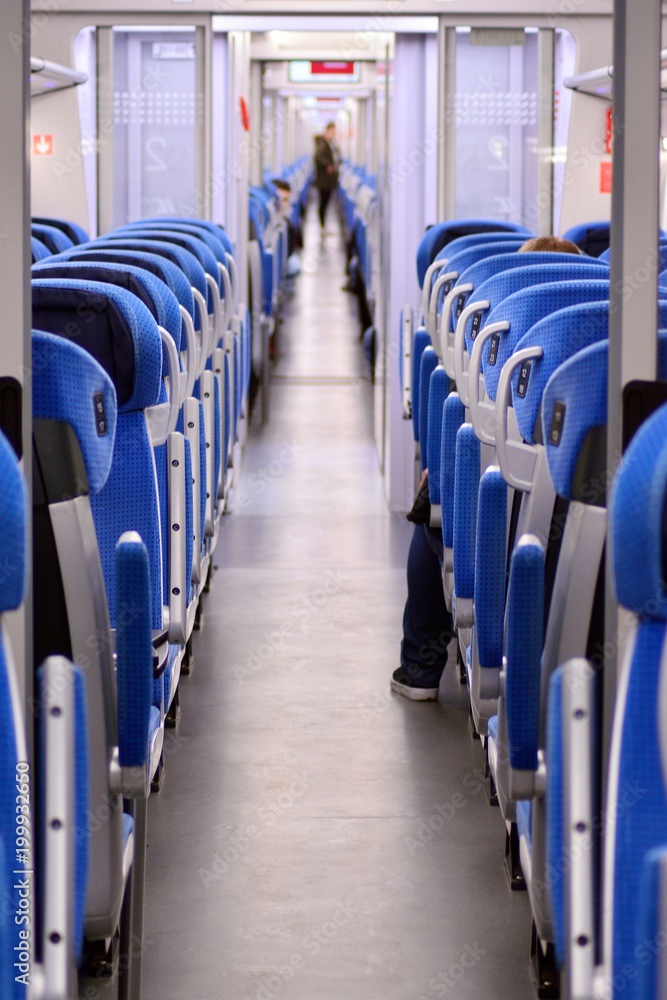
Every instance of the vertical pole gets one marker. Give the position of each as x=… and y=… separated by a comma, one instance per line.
x=634, y=239
x=105, y=179
x=441, y=182
x=15, y=257
x=448, y=142
x=256, y=157
x=545, y=130
x=204, y=143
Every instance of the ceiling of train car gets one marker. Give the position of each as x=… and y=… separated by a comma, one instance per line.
x=383, y=10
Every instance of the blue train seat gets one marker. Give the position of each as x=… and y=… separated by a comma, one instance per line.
x=635, y=836
x=160, y=301
x=52, y=237
x=439, y=235
x=591, y=237
x=77, y=234
x=38, y=250
x=74, y=425
x=573, y=419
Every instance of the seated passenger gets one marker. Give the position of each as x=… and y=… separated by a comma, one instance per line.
x=427, y=624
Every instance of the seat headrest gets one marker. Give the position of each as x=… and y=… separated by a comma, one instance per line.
x=481, y=272
x=73, y=231
x=560, y=335
x=591, y=237
x=178, y=255
x=477, y=240
x=442, y=233
x=55, y=239
x=153, y=292
x=13, y=529
x=39, y=250
x=529, y=304
x=638, y=521
x=69, y=385
x=162, y=268
x=210, y=227
x=113, y=326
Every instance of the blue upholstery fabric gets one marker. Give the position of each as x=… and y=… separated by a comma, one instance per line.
x=490, y=567
x=477, y=239
x=187, y=262
x=212, y=240
x=420, y=342
x=466, y=488
x=210, y=227
x=75, y=233
x=134, y=648
x=461, y=262
x=13, y=521
x=39, y=250
x=637, y=505
x=453, y=415
x=129, y=502
x=560, y=335
x=67, y=385
x=193, y=244
x=189, y=521
x=113, y=326
x=7, y=953
x=556, y=861
x=51, y=237
x=526, y=307
x=443, y=233
x=429, y=361
x=579, y=386
x=495, y=293
x=202, y=472
x=524, y=639
x=153, y=292
x=591, y=237
x=652, y=929
x=574, y=401
x=162, y=268
x=217, y=444
x=438, y=392
x=643, y=826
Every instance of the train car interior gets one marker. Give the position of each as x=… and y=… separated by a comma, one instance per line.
x=333, y=500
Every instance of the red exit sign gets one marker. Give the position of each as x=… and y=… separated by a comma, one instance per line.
x=333, y=68
x=42, y=144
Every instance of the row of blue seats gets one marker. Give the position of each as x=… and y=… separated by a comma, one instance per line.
x=508, y=374
x=140, y=379
x=359, y=205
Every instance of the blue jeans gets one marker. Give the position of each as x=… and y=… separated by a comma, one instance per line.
x=427, y=624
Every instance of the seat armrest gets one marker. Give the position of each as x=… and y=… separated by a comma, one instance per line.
x=134, y=663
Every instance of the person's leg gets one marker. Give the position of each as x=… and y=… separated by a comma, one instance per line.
x=427, y=625
x=325, y=194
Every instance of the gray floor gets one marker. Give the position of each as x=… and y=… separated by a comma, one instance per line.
x=318, y=838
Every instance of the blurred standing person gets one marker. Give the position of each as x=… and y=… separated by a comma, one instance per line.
x=327, y=159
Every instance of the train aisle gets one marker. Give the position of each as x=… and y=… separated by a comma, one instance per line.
x=316, y=837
